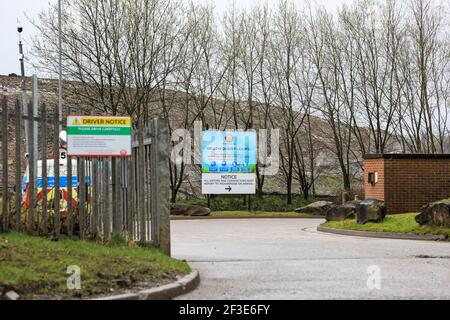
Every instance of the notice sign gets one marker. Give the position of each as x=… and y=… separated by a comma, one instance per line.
x=90, y=136
x=228, y=162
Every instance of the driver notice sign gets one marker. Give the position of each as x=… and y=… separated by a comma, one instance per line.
x=228, y=162
x=91, y=136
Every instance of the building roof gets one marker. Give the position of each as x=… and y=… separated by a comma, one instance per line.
x=406, y=156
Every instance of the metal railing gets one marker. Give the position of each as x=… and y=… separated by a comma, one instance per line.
x=84, y=197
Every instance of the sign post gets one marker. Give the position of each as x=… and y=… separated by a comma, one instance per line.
x=228, y=162
x=102, y=136
x=91, y=136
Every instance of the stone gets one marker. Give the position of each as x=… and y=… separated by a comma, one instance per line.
x=123, y=282
x=12, y=295
x=2, y=291
x=342, y=212
x=435, y=213
x=189, y=210
x=370, y=210
x=316, y=208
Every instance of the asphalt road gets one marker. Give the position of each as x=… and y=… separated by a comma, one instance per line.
x=289, y=259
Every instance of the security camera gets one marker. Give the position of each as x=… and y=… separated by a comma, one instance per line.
x=63, y=136
x=27, y=155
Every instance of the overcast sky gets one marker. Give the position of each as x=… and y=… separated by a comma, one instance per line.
x=11, y=10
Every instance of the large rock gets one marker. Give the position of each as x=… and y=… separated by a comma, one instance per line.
x=316, y=208
x=189, y=210
x=435, y=213
x=370, y=211
x=343, y=212
x=12, y=295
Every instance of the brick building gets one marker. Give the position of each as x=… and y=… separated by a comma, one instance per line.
x=406, y=182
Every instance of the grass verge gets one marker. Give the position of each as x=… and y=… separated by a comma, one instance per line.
x=268, y=203
x=399, y=223
x=251, y=214
x=36, y=267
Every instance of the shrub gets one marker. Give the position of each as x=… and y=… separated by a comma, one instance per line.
x=268, y=203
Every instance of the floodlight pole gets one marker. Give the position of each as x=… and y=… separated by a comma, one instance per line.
x=22, y=86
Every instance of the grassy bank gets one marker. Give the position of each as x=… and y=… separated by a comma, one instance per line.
x=400, y=223
x=268, y=203
x=250, y=214
x=36, y=267
x=258, y=214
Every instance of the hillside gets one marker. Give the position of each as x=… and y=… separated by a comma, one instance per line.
x=183, y=109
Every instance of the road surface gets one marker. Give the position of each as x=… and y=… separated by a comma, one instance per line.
x=289, y=259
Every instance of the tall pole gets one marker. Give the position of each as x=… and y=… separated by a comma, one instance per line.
x=60, y=103
x=35, y=103
x=22, y=72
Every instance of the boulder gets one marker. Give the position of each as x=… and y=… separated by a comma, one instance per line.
x=343, y=212
x=370, y=211
x=189, y=210
x=435, y=213
x=316, y=208
x=12, y=295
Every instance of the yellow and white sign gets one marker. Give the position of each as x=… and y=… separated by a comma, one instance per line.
x=90, y=136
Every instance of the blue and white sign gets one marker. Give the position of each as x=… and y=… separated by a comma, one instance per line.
x=228, y=162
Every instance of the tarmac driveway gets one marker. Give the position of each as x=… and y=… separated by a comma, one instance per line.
x=289, y=259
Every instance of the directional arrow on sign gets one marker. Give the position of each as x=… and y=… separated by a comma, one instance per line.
x=229, y=189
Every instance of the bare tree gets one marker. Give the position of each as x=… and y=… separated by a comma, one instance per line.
x=374, y=78
x=286, y=46
x=326, y=56
x=113, y=53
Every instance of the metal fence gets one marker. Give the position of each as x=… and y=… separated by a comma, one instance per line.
x=82, y=197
